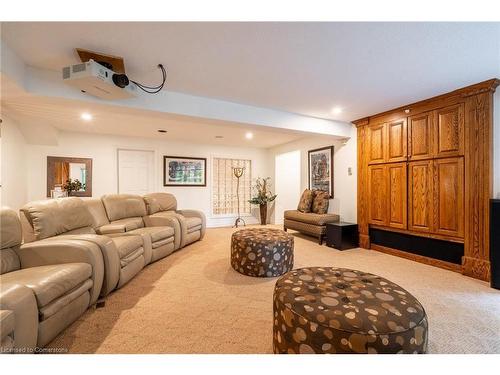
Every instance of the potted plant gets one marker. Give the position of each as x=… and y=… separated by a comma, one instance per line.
x=73, y=185
x=263, y=196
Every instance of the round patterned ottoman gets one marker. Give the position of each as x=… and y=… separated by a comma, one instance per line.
x=262, y=252
x=338, y=310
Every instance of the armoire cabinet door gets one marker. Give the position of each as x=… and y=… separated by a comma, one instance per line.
x=449, y=196
x=449, y=131
x=377, y=184
x=396, y=173
x=420, y=202
x=420, y=136
x=397, y=141
x=377, y=143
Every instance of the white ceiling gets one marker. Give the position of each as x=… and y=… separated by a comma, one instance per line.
x=305, y=68
x=64, y=114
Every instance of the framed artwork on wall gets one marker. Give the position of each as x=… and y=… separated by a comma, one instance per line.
x=184, y=171
x=321, y=169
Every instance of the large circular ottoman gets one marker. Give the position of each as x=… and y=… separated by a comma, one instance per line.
x=262, y=252
x=338, y=310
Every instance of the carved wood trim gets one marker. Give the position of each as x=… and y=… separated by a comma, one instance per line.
x=477, y=268
x=364, y=237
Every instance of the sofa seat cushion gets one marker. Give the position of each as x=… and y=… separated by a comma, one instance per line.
x=311, y=218
x=130, y=223
x=126, y=245
x=192, y=223
x=156, y=233
x=50, y=282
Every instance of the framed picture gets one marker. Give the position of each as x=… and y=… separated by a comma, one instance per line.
x=321, y=169
x=184, y=171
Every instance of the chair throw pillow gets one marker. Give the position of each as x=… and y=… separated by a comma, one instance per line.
x=320, y=202
x=306, y=201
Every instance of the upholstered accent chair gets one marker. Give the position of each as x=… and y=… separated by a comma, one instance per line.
x=70, y=219
x=44, y=285
x=123, y=213
x=162, y=206
x=311, y=215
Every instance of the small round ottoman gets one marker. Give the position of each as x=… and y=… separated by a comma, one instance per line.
x=262, y=252
x=338, y=310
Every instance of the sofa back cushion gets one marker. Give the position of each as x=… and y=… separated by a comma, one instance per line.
x=48, y=218
x=10, y=238
x=123, y=206
x=306, y=200
x=157, y=202
x=320, y=202
x=97, y=211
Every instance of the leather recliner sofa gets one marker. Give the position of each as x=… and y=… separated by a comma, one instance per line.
x=70, y=218
x=123, y=213
x=163, y=206
x=44, y=285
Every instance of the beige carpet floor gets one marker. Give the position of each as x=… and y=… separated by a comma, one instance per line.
x=194, y=302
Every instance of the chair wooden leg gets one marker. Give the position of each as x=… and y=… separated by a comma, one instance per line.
x=285, y=228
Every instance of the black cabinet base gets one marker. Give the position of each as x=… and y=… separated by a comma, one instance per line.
x=342, y=235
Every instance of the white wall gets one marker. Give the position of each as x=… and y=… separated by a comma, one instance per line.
x=13, y=192
x=345, y=156
x=287, y=182
x=103, y=150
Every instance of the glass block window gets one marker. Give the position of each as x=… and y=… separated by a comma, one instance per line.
x=224, y=200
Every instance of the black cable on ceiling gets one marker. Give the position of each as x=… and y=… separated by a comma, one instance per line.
x=154, y=89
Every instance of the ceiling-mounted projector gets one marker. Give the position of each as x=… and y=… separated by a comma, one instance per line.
x=97, y=80
x=103, y=76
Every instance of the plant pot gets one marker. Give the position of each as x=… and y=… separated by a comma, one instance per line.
x=263, y=214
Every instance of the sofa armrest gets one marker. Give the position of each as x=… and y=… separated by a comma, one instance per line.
x=107, y=248
x=166, y=221
x=21, y=301
x=7, y=322
x=196, y=213
x=60, y=251
x=111, y=229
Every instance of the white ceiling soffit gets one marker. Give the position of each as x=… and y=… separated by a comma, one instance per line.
x=36, y=113
x=305, y=68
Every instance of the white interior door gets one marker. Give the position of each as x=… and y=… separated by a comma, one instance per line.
x=287, y=181
x=136, y=172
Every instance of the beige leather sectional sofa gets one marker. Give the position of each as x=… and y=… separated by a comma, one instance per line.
x=76, y=252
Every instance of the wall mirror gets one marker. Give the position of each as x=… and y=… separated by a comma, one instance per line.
x=69, y=177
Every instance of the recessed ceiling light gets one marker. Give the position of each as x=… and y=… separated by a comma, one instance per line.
x=219, y=136
x=249, y=135
x=162, y=131
x=86, y=116
x=336, y=110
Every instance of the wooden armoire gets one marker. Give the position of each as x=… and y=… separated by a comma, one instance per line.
x=425, y=177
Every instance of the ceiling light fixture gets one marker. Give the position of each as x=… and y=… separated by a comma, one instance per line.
x=86, y=116
x=219, y=136
x=336, y=110
x=162, y=131
x=249, y=135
